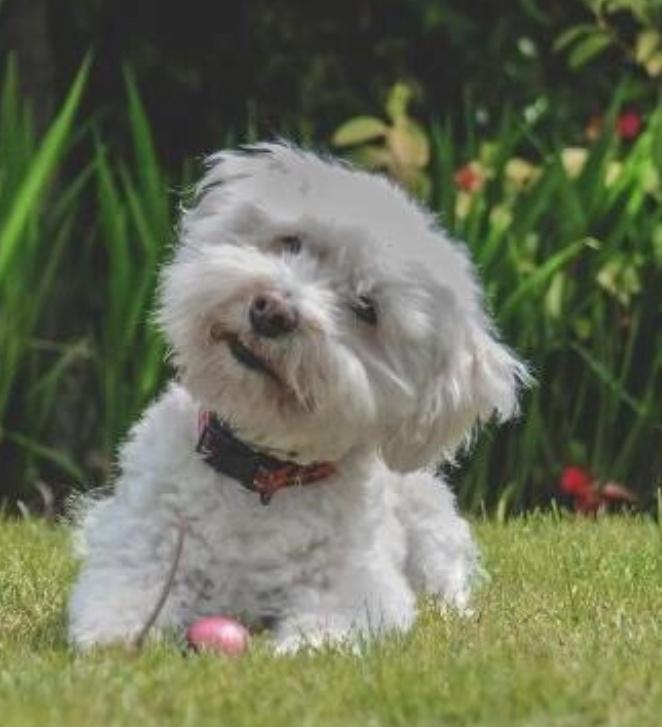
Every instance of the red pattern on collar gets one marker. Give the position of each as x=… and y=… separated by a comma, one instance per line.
x=290, y=475
x=279, y=474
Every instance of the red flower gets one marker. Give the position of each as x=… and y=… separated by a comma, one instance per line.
x=587, y=495
x=469, y=178
x=628, y=125
x=575, y=481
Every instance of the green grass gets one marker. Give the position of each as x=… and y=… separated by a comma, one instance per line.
x=568, y=632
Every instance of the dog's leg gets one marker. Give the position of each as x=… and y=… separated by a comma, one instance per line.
x=121, y=582
x=363, y=606
x=106, y=610
x=442, y=558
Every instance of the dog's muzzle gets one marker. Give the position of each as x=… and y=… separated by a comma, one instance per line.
x=272, y=315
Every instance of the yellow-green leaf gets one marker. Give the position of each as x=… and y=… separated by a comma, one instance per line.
x=648, y=41
x=409, y=143
x=554, y=295
x=398, y=100
x=588, y=49
x=359, y=130
x=569, y=36
x=653, y=65
x=619, y=277
x=372, y=156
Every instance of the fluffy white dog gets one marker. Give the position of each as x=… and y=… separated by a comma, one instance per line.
x=327, y=334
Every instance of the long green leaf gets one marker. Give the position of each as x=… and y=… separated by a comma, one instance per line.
x=538, y=278
x=40, y=172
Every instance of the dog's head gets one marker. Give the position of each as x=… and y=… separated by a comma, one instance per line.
x=319, y=309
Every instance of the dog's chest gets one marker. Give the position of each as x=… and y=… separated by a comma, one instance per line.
x=251, y=560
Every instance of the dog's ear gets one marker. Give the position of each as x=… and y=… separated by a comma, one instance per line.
x=480, y=381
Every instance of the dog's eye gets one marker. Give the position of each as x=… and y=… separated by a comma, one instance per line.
x=290, y=244
x=365, y=309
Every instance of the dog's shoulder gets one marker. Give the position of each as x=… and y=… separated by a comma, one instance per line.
x=164, y=434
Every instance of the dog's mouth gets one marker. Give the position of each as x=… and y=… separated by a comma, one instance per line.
x=249, y=359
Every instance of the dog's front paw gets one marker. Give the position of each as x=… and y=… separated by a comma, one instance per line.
x=295, y=640
x=291, y=644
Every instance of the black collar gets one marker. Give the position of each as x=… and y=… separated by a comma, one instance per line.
x=257, y=471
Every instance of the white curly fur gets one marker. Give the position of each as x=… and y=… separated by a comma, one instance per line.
x=343, y=558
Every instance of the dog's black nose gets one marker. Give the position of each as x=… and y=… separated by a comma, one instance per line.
x=272, y=315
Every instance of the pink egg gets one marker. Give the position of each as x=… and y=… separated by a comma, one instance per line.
x=218, y=633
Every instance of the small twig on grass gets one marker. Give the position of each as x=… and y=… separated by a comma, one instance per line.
x=139, y=640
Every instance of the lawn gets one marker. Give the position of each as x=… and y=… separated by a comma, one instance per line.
x=567, y=632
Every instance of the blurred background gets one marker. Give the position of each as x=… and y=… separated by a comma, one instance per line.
x=533, y=129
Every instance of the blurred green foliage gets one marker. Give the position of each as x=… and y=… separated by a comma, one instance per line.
x=300, y=69
x=631, y=27
x=548, y=167
x=400, y=148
